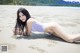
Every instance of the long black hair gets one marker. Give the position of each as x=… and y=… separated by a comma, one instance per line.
x=19, y=23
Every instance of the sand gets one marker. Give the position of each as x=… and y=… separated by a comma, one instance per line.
x=67, y=17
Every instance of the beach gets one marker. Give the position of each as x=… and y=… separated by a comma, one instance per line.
x=67, y=17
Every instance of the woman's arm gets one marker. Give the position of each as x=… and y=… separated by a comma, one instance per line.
x=29, y=25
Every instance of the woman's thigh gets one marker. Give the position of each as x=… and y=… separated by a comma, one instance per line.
x=49, y=27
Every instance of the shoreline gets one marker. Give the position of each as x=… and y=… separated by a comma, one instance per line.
x=43, y=6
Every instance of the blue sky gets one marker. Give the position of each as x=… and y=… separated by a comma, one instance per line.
x=73, y=0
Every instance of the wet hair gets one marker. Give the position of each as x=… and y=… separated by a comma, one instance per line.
x=19, y=23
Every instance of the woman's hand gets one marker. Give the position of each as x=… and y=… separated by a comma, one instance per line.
x=25, y=33
x=17, y=32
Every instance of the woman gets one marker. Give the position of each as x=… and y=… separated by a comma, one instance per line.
x=25, y=25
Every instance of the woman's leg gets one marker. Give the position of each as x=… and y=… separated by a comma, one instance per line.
x=59, y=32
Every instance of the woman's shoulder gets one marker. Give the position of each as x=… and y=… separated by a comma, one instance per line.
x=31, y=20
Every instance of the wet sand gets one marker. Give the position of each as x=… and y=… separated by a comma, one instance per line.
x=67, y=17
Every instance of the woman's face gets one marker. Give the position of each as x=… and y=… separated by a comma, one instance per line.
x=22, y=17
